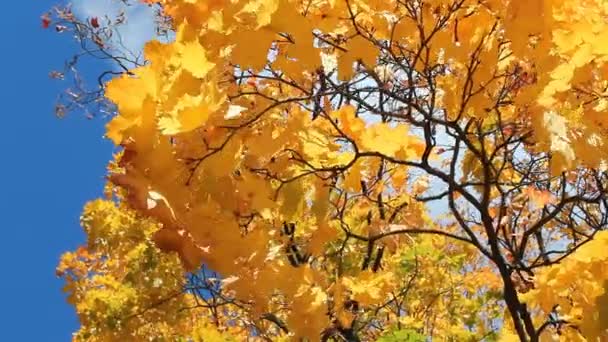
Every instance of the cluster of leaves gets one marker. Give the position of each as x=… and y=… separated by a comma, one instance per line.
x=361, y=170
x=123, y=287
x=574, y=293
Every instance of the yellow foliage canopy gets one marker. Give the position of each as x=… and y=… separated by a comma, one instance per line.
x=297, y=148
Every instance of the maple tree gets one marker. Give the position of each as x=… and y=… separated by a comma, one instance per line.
x=355, y=170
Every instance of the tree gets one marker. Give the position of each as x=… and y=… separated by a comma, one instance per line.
x=120, y=284
x=359, y=170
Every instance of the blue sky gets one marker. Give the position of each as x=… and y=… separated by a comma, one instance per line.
x=49, y=169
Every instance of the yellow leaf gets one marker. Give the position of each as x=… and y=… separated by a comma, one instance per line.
x=292, y=195
x=358, y=48
x=116, y=127
x=251, y=49
x=287, y=20
x=320, y=206
x=129, y=92
x=192, y=111
x=352, y=180
x=194, y=59
x=387, y=140
x=320, y=236
x=508, y=336
x=352, y=126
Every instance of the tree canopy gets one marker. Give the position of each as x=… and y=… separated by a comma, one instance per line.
x=354, y=170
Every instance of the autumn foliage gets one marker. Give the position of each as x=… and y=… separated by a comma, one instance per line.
x=355, y=170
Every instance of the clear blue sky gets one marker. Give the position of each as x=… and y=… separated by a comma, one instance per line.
x=49, y=169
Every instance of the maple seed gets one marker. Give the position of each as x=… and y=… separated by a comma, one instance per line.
x=94, y=22
x=46, y=21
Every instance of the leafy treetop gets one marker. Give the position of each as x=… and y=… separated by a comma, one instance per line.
x=356, y=168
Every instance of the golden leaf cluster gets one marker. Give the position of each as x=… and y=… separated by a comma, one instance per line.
x=294, y=147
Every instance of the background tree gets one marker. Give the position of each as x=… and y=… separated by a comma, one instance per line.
x=358, y=170
x=124, y=288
